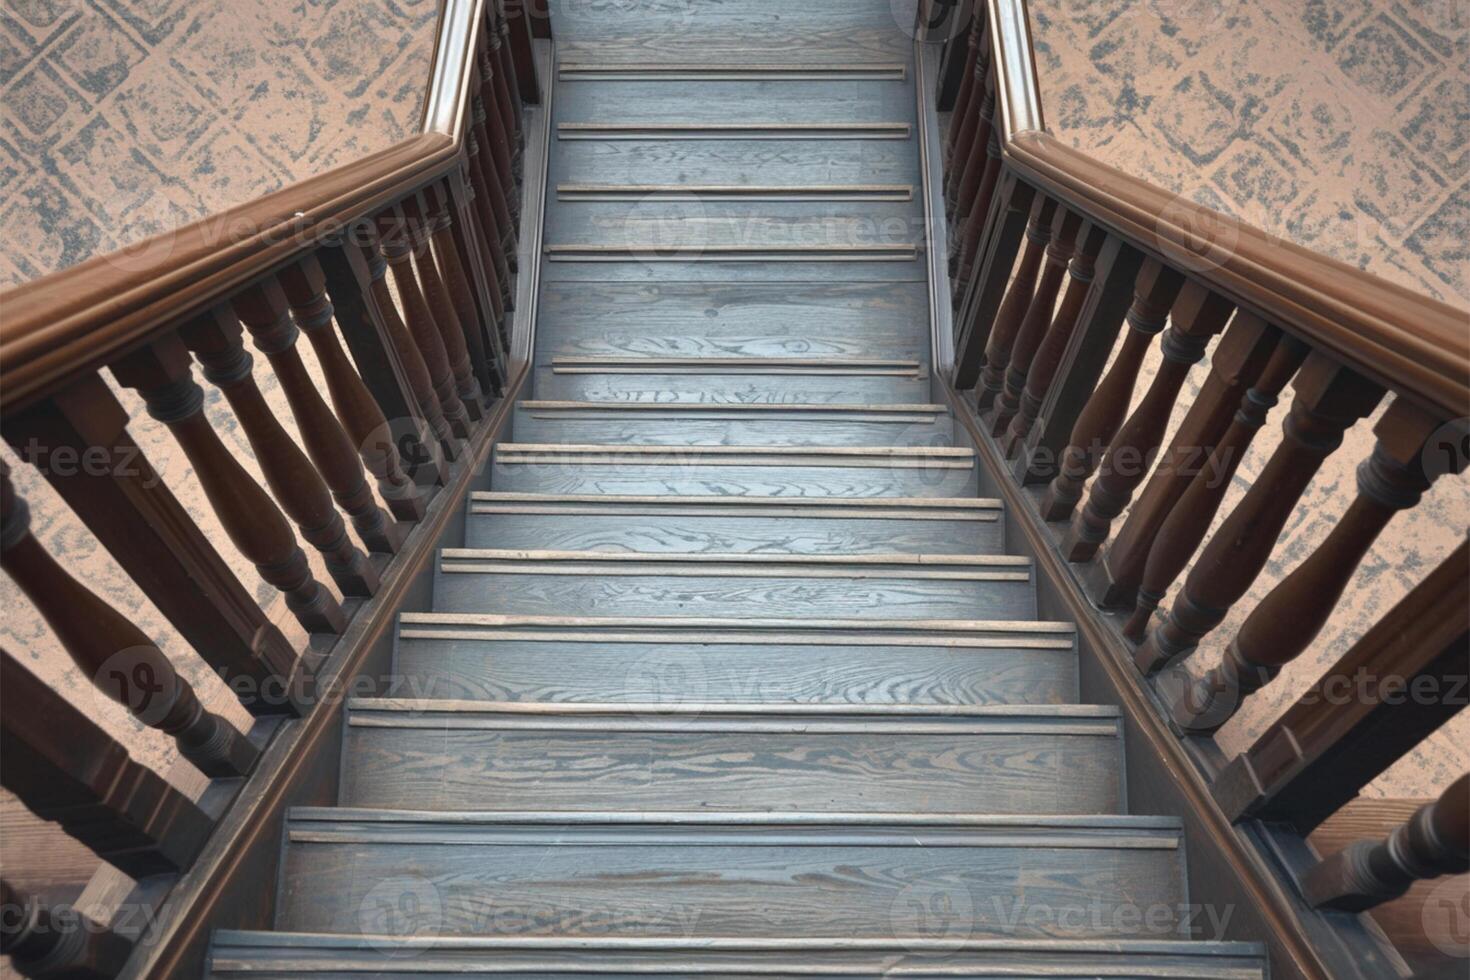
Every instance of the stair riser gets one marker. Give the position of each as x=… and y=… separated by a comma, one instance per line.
x=879, y=596
x=532, y=425
x=674, y=477
x=754, y=890
x=592, y=671
x=736, y=162
x=877, y=770
x=734, y=389
x=734, y=535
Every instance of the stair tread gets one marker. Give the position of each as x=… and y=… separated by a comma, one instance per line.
x=473, y=755
x=254, y=953
x=725, y=424
x=748, y=874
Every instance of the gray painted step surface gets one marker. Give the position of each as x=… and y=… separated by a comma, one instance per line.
x=789, y=381
x=736, y=162
x=283, y=956
x=701, y=103
x=553, y=659
x=706, y=424
x=734, y=472
x=745, y=318
x=884, y=587
x=473, y=755
x=759, y=875
x=734, y=525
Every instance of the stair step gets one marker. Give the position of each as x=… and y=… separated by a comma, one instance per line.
x=732, y=381
x=556, y=659
x=733, y=320
x=734, y=525
x=759, y=471
x=284, y=956
x=707, y=424
x=470, y=755
x=883, y=587
x=751, y=875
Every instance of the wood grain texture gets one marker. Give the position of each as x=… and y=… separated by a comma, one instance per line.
x=773, y=880
x=285, y=956
x=706, y=424
x=730, y=387
x=737, y=162
x=694, y=524
x=701, y=103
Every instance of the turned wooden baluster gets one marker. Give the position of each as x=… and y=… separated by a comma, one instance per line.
x=966, y=157
x=161, y=374
x=1235, y=363
x=974, y=225
x=1291, y=615
x=1043, y=370
x=1028, y=337
x=962, y=116
x=267, y=315
x=1017, y=302
x=1329, y=399
x=1185, y=527
x=462, y=292
x=518, y=36
x=112, y=653
x=494, y=132
x=398, y=252
x=502, y=291
x=66, y=769
x=216, y=339
x=442, y=309
x=1197, y=315
x=305, y=288
x=484, y=165
x=46, y=941
x=1434, y=842
x=507, y=97
x=409, y=357
x=1154, y=293
x=492, y=232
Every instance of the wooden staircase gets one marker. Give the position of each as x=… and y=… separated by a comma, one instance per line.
x=734, y=675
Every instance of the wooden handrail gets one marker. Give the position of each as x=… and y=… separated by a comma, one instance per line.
x=71, y=322
x=1403, y=340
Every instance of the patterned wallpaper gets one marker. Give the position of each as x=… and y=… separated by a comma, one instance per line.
x=120, y=119
x=1340, y=124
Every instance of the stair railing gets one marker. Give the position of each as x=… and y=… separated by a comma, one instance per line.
x=397, y=271
x=1053, y=255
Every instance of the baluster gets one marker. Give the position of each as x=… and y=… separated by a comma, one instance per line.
x=396, y=250
x=494, y=131
x=1153, y=295
x=484, y=166
x=1356, y=720
x=115, y=655
x=1293, y=613
x=491, y=231
x=267, y=315
x=132, y=512
x=478, y=323
x=56, y=941
x=979, y=213
x=161, y=374
x=507, y=97
x=469, y=211
x=1235, y=364
x=961, y=117
x=975, y=326
x=518, y=32
x=415, y=371
x=66, y=769
x=1434, y=842
x=305, y=287
x=442, y=310
x=1329, y=399
x=969, y=134
x=1185, y=527
x=215, y=338
x=1017, y=302
x=1197, y=315
x=1038, y=378
x=1033, y=326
